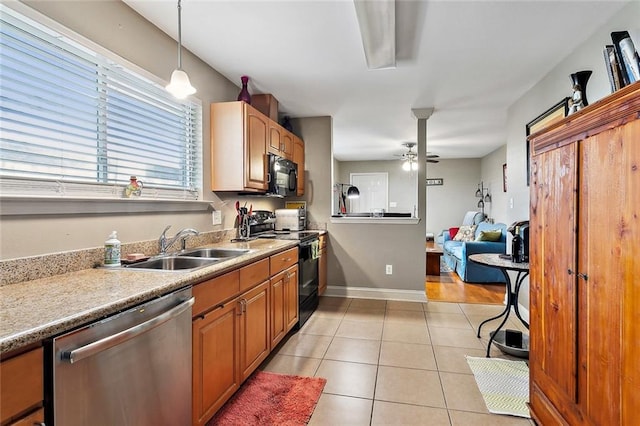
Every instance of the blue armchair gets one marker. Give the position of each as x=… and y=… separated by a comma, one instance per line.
x=456, y=255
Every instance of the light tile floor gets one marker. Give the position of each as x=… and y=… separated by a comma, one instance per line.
x=394, y=363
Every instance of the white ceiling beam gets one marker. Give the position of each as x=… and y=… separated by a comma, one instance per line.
x=377, y=21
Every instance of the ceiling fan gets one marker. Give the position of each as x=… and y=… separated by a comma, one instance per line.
x=410, y=157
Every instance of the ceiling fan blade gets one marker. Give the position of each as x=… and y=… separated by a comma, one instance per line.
x=432, y=161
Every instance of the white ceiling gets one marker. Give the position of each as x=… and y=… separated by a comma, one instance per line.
x=469, y=60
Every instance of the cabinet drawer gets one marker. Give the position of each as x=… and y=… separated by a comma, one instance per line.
x=254, y=274
x=281, y=261
x=21, y=381
x=215, y=291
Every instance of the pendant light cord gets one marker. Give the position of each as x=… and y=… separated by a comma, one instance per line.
x=179, y=35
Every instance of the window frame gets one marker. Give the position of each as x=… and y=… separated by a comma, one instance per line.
x=20, y=196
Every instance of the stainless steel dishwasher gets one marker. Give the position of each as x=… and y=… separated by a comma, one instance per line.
x=132, y=368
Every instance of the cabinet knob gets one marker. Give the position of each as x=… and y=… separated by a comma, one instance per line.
x=569, y=271
x=583, y=276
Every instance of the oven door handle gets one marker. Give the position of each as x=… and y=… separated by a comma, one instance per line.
x=128, y=334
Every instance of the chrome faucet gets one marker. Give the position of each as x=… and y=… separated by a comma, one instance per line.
x=182, y=235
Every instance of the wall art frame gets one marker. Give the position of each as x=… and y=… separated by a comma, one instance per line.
x=556, y=113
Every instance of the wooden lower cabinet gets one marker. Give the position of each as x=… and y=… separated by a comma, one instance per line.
x=237, y=317
x=215, y=360
x=322, y=265
x=254, y=329
x=22, y=388
x=284, y=303
x=33, y=419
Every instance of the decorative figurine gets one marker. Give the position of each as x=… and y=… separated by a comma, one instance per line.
x=133, y=188
x=576, y=103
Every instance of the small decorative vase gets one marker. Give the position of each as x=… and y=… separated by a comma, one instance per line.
x=580, y=79
x=244, y=93
x=287, y=124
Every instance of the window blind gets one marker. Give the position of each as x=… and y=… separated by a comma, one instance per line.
x=83, y=120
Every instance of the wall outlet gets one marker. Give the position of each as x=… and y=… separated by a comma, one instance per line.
x=393, y=204
x=216, y=217
x=511, y=202
x=389, y=269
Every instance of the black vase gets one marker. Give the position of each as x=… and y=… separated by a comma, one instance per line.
x=581, y=78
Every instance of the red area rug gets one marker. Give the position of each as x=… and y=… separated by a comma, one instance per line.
x=271, y=399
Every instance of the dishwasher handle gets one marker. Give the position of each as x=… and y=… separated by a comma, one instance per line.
x=121, y=337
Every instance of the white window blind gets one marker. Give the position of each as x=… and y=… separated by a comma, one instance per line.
x=76, y=122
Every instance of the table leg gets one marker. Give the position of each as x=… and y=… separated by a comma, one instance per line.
x=512, y=300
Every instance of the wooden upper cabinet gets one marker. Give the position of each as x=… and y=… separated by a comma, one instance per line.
x=287, y=145
x=298, y=158
x=275, y=138
x=239, y=136
x=280, y=141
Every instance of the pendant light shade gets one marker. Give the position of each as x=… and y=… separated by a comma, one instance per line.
x=180, y=86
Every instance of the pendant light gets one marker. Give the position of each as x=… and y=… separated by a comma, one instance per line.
x=180, y=86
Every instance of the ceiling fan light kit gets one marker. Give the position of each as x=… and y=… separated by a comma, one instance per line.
x=377, y=22
x=180, y=86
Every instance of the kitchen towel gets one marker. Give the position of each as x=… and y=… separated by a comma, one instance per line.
x=315, y=249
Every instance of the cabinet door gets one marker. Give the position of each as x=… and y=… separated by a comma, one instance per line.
x=21, y=383
x=215, y=362
x=609, y=238
x=298, y=158
x=553, y=295
x=291, y=297
x=275, y=138
x=278, y=321
x=286, y=144
x=254, y=328
x=256, y=149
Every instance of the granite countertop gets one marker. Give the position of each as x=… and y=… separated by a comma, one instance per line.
x=34, y=310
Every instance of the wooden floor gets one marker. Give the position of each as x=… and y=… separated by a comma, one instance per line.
x=448, y=287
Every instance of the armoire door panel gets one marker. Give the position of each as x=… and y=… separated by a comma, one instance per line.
x=553, y=257
x=606, y=265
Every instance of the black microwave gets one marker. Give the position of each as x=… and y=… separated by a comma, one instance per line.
x=283, y=176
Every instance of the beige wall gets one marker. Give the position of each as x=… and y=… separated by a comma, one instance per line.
x=491, y=172
x=113, y=25
x=447, y=204
x=357, y=253
x=551, y=89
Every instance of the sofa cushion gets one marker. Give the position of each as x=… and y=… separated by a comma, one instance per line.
x=453, y=232
x=466, y=233
x=493, y=235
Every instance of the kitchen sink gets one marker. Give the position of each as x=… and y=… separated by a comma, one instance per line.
x=217, y=253
x=173, y=263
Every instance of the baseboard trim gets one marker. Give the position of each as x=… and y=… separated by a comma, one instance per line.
x=376, y=293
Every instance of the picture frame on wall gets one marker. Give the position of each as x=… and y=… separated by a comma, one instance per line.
x=556, y=113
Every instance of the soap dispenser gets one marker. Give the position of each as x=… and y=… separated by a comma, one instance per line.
x=112, y=250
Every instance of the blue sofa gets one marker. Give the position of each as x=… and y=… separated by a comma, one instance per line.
x=456, y=255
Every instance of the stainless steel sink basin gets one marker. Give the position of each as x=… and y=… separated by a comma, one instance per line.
x=217, y=253
x=173, y=263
